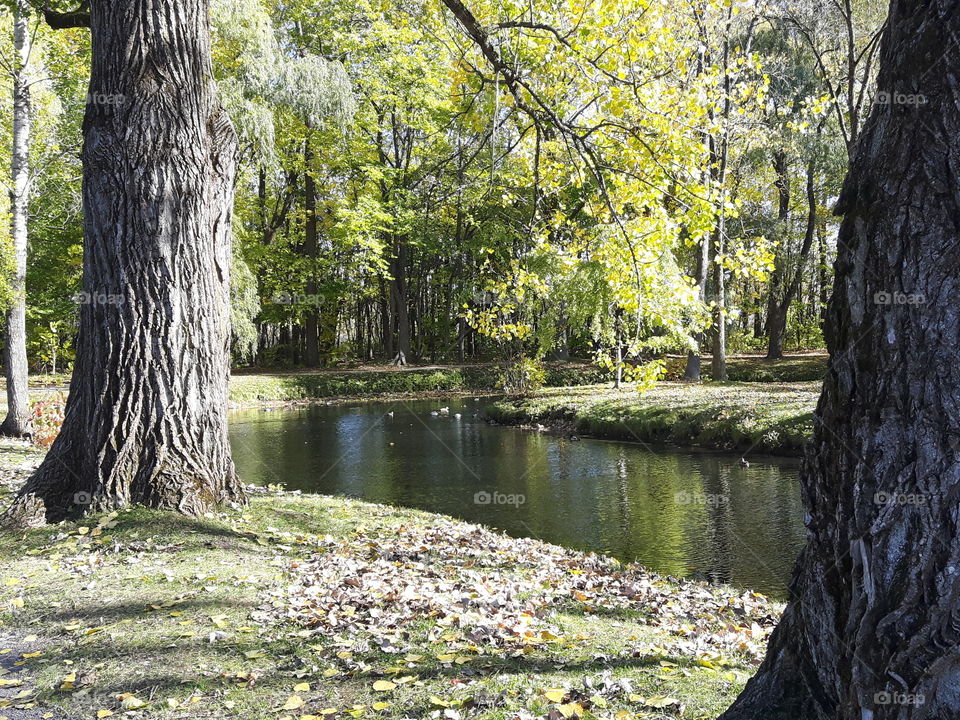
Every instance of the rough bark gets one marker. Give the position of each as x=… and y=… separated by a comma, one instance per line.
x=146, y=416
x=871, y=631
x=16, y=423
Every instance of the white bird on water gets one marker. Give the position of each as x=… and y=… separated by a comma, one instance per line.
x=445, y=410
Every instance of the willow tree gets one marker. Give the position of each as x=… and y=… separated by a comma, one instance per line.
x=871, y=630
x=146, y=416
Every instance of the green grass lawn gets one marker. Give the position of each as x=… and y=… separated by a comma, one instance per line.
x=307, y=607
x=749, y=417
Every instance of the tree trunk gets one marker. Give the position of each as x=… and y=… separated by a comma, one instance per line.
x=398, y=300
x=718, y=363
x=311, y=334
x=16, y=423
x=146, y=416
x=779, y=308
x=871, y=630
x=823, y=268
x=692, y=371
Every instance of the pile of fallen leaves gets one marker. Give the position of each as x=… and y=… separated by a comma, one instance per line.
x=482, y=589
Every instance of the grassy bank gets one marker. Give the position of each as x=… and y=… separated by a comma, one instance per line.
x=249, y=387
x=761, y=418
x=317, y=607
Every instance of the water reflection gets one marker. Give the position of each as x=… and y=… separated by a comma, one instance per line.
x=683, y=513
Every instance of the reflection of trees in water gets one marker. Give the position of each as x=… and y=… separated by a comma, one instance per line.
x=719, y=516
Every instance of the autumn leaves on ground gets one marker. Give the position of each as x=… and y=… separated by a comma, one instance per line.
x=315, y=607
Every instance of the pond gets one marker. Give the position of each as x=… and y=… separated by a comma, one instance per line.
x=685, y=513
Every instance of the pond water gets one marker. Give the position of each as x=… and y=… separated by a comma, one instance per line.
x=683, y=513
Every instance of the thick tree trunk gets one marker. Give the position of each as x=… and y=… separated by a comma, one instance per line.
x=16, y=423
x=871, y=631
x=146, y=416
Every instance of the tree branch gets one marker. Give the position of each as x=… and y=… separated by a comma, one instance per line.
x=62, y=20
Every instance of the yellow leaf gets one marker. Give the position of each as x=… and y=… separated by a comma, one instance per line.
x=383, y=685
x=302, y=687
x=381, y=705
x=132, y=702
x=104, y=713
x=253, y=655
x=570, y=710
x=294, y=703
x=555, y=695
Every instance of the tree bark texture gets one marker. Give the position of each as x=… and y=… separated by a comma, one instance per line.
x=872, y=629
x=146, y=416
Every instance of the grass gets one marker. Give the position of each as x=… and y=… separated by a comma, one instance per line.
x=246, y=388
x=173, y=617
x=249, y=386
x=793, y=368
x=763, y=418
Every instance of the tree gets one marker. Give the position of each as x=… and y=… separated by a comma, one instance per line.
x=146, y=416
x=15, y=350
x=870, y=630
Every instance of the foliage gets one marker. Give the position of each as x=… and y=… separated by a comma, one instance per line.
x=523, y=376
x=47, y=418
x=547, y=196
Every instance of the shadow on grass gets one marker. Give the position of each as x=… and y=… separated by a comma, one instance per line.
x=161, y=668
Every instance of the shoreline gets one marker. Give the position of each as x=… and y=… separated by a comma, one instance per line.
x=339, y=608
x=746, y=418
